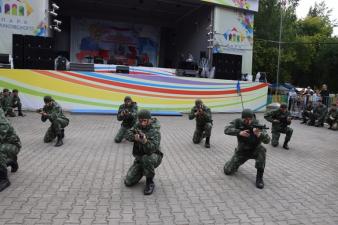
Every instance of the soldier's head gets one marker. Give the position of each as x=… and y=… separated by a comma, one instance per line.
x=5, y=92
x=48, y=100
x=144, y=117
x=198, y=103
x=15, y=92
x=247, y=116
x=127, y=100
x=283, y=107
x=334, y=106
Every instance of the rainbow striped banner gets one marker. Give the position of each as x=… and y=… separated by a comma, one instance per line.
x=102, y=91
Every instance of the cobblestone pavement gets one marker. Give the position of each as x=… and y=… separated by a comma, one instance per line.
x=82, y=181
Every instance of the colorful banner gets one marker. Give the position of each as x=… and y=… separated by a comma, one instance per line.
x=102, y=91
x=27, y=17
x=242, y=4
x=119, y=43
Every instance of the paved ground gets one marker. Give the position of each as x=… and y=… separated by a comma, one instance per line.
x=82, y=182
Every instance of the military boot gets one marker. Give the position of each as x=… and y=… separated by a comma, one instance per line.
x=285, y=145
x=62, y=133
x=259, y=179
x=21, y=114
x=207, y=142
x=13, y=163
x=59, y=141
x=150, y=186
x=4, y=182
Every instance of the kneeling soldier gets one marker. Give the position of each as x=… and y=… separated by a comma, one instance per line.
x=249, y=135
x=146, y=137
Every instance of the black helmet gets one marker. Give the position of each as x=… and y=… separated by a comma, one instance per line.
x=47, y=99
x=127, y=98
x=283, y=106
x=144, y=114
x=198, y=102
x=247, y=113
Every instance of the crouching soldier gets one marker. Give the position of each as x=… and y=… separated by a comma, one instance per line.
x=10, y=146
x=307, y=112
x=6, y=103
x=16, y=102
x=127, y=114
x=249, y=134
x=280, y=119
x=146, y=137
x=203, y=123
x=317, y=118
x=52, y=111
x=332, y=117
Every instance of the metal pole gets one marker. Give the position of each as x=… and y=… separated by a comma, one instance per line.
x=279, y=47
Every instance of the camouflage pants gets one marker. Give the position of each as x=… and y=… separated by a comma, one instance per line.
x=143, y=166
x=276, y=134
x=242, y=155
x=7, y=151
x=121, y=134
x=333, y=124
x=55, y=129
x=9, y=112
x=17, y=105
x=199, y=135
x=316, y=120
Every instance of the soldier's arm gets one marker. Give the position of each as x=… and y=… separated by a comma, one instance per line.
x=55, y=113
x=153, y=143
x=120, y=117
x=130, y=136
x=232, y=129
x=13, y=138
x=134, y=111
x=265, y=138
x=192, y=114
x=269, y=116
x=207, y=114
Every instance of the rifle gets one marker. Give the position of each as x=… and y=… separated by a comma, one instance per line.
x=285, y=121
x=139, y=132
x=39, y=110
x=199, y=110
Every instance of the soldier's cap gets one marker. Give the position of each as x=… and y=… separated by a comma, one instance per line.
x=144, y=114
x=47, y=99
x=247, y=113
x=198, y=102
x=283, y=106
x=5, y=90
x=15, y=91
x=127, y=98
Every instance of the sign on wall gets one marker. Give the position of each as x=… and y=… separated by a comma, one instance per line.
x=119, y=43
x=27, y=17
x=242, y=4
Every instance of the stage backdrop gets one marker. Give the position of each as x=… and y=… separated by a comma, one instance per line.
x=121, y=43
x=242, y=4
x=234, y=34
x=101, y=91
x=27, y=17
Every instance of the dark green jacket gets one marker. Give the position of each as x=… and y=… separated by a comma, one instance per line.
x=53, y=112
x=320, y=112
x=130, y=119
x=333, y=113
x=282, y=118
x=152, y=132
x=251, y=142
x=206, y=117
x=6, y=103
x=7, y=133
x=15, y=101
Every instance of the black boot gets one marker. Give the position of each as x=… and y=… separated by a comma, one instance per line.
x=21, y=114
x=150, y=186
x=62, y=133
x=207, y=142
x=259, y=179
x=13, y=163
x=285, y=145
x=59, y=141
x=4, y=182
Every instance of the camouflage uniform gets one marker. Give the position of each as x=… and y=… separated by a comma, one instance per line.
x=10, y=146
x=58, y=122
x=16, y=102
x=318, y=116
x=332, y=118
x=148, y=156
x=6, y=104
x=248, y=147
x=128, y=115
x=307, y=112
x=280, y=121
x=203, y=123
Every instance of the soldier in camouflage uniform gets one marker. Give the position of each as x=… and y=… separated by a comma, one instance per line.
x=128, y=115
x=16, y=102
x=146, y=137
x=10, y=146
x=6, y=103
x=203, y=122
x=332, y=117
x=249, y=134
x=307, y=112
x=280, y=119
x=318, y=115
x=52, y=111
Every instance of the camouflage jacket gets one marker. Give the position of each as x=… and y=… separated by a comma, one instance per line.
x=7, y=133
x=15, y=100
x=129, y=119
x=53, y=112
x=282, y=118
x=153, y=135
x=333, y=114
x=320, y=112
x=251, y=142
x=6, y=103
x=202, y=119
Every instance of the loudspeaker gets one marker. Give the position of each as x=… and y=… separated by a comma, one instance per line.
x=18, y=51
x=122, y=69
x=227, y=66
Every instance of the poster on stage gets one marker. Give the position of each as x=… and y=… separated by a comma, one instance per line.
x=114, y=43
x=26, y=17
x=251, y=5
